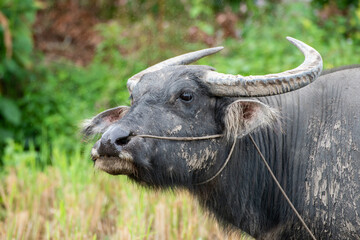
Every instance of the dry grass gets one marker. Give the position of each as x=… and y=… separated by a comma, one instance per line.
x=72, y=201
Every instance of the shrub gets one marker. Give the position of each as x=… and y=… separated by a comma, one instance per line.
x=16, y=61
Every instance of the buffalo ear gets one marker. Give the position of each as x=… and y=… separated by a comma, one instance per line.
x=102, y=121
x=244, y=116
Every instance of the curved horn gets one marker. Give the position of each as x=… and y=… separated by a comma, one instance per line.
x=179, y=60
x=255, y=86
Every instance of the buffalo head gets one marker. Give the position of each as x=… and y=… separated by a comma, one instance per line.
x=177, y=100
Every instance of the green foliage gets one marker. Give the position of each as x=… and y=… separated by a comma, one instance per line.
x=16, y=18
x=66, y=94
x=340, y=16
x=10, y=111
x=59, y=95
x=342, y=4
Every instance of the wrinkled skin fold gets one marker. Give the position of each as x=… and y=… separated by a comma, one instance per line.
x=310, y=138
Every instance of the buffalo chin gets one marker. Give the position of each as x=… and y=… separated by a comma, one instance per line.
x=115, y=166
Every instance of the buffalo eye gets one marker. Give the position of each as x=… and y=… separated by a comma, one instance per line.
x=186, y=96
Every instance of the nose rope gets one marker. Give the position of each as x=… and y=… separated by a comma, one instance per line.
x=281, y=189
x=182, y=138
x=222, y=167
x=226, y=162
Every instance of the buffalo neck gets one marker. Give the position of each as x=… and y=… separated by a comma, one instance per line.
x=245, y=195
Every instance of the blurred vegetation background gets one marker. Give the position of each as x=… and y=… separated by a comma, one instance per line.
x=62, y=61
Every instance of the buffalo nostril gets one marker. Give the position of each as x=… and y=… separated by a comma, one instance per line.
x=122, y=141
x=113, y=140
x=119, y=136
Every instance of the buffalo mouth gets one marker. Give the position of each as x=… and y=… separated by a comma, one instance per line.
x=120, y=165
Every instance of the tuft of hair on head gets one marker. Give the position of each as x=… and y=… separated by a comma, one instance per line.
x=246, y=115
x=102, y=121
x=89, y=129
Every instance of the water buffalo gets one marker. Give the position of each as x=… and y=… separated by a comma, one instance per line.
x=310, y=138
